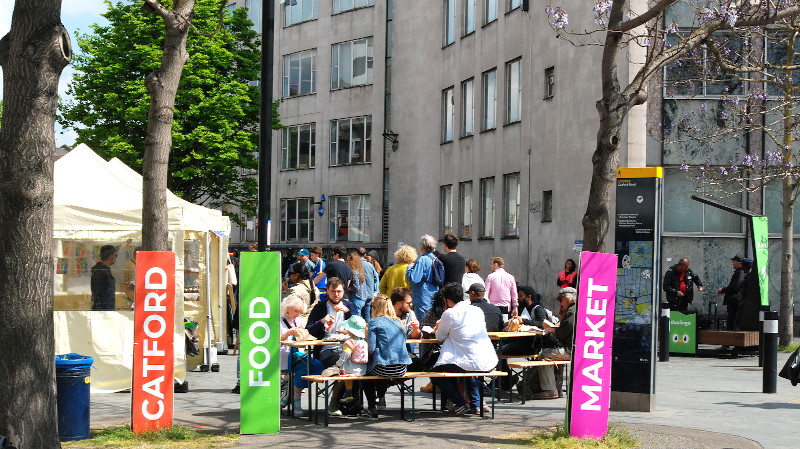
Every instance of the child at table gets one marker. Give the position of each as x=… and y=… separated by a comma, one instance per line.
x=355, y=355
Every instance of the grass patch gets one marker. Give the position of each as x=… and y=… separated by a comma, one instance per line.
x=179, y=437
x=791, y=348
x=557, y=438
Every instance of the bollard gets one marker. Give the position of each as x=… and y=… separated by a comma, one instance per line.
x=770, y=352
x=761, y=338
x=663, y=332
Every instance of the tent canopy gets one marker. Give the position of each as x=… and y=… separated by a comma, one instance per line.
x=92, y=194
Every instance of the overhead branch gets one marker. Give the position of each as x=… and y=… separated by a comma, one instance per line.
x=647, y=16
x=155, y=7
x=220, y=23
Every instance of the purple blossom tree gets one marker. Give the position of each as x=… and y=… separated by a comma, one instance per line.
x=768, y=64
x=623, y=23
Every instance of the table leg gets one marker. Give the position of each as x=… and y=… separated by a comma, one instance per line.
x=327, y=399
x=413, y=405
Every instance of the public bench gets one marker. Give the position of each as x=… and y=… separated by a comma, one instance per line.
x=524, y=366
x=400, y=383
x=728, y=338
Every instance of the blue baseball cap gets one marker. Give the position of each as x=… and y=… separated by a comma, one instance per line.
x=303, y=252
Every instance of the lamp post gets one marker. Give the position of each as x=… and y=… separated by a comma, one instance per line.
x=265, y=123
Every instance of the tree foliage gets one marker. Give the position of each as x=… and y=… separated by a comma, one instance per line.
x=216, y=110
x=763, y=67
x=641, y=25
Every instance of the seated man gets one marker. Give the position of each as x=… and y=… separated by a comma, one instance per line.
x=466, y=347
x=403, y=308
x=531, y=313
x=325, y=319
x=491, y=313
x=561, y=349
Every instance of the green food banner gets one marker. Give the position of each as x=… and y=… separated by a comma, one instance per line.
x=259, y=334
x=682, y=332
x=761, y=245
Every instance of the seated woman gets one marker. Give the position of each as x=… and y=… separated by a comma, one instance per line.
x=386, y=337
x=292, y=329
x=299, y=275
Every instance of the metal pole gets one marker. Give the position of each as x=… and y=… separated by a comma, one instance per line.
x=761, y=338
x=265, y=122
x=663, y=334
x=770, y=352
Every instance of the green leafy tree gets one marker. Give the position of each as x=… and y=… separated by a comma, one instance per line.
x=214, y=128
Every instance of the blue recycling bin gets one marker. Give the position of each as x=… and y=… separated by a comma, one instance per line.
x=72, y=393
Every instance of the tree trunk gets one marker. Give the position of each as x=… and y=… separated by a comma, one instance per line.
x=32, y=56
x=612, y=109
x=163, y=87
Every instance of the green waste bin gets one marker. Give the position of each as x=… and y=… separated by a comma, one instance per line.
x=72, y=393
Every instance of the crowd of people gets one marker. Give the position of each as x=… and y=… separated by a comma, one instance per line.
x=372, y=312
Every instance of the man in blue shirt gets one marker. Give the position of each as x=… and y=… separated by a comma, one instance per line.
x=419, y=275
x=319, y=267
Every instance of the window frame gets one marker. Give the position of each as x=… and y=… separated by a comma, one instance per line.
x=448, y=115
x=547, y=206
x=508, y=230
x=311, y=151
x=449, y=26
x=446, y=209
x=669, y=173
x=467, y=107
x=287, y=73
x=369, y=3
x=485, y=100
x=254, y=14
x=470, y=13
x=487, y=8
x=287, y=7
x=337, y=64
x=705, y=79
x=510, y=93
x=549, y=82
x=334, y=215
x=465, y=220
x=285, y=223
x=487, y=208
x=510, y=5
x=366, y=157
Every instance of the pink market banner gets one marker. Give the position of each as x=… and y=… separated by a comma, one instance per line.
x=594, y=333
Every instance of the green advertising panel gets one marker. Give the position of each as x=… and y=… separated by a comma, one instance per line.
x=761, y=245
x=682, y=332
x=259, y=334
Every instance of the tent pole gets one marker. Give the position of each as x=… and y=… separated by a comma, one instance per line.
x=209, y=315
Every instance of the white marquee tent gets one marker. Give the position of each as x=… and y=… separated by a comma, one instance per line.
x=97, y=203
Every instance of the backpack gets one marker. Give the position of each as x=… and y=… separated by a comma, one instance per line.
x=437, y=271
x=360, y=352
x=551, y=317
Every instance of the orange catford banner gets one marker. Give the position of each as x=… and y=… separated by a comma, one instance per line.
x=154, y=329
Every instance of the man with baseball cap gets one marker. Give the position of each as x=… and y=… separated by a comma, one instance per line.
x=733, y=292
x=492, y=314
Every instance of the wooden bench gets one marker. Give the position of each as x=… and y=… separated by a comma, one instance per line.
x=400, y=382
x=728, y=338
x=524, y=366
x=515, y=371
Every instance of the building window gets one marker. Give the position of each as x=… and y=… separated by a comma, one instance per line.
x=297, y=220
x=547, y=206
x=351, y=140
x=778, y=43
x=469, y=16
x=513, y=91
x=511, y=205
x=349, y=218
x=448, y=115
x=449, y=22
x=489, y=99
x=254, y=13
x=349, y=5
x=467, y=108
x=351, y=63
x=513, y=4
x=300, y=73
x=549, y=82
x=465, y=210
x=446, y=209
x=487, y=207
x=490, y=11
x=298, y=147
x=698, y=73
x=687, y=215
x=773, y=208
x=297, y=11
